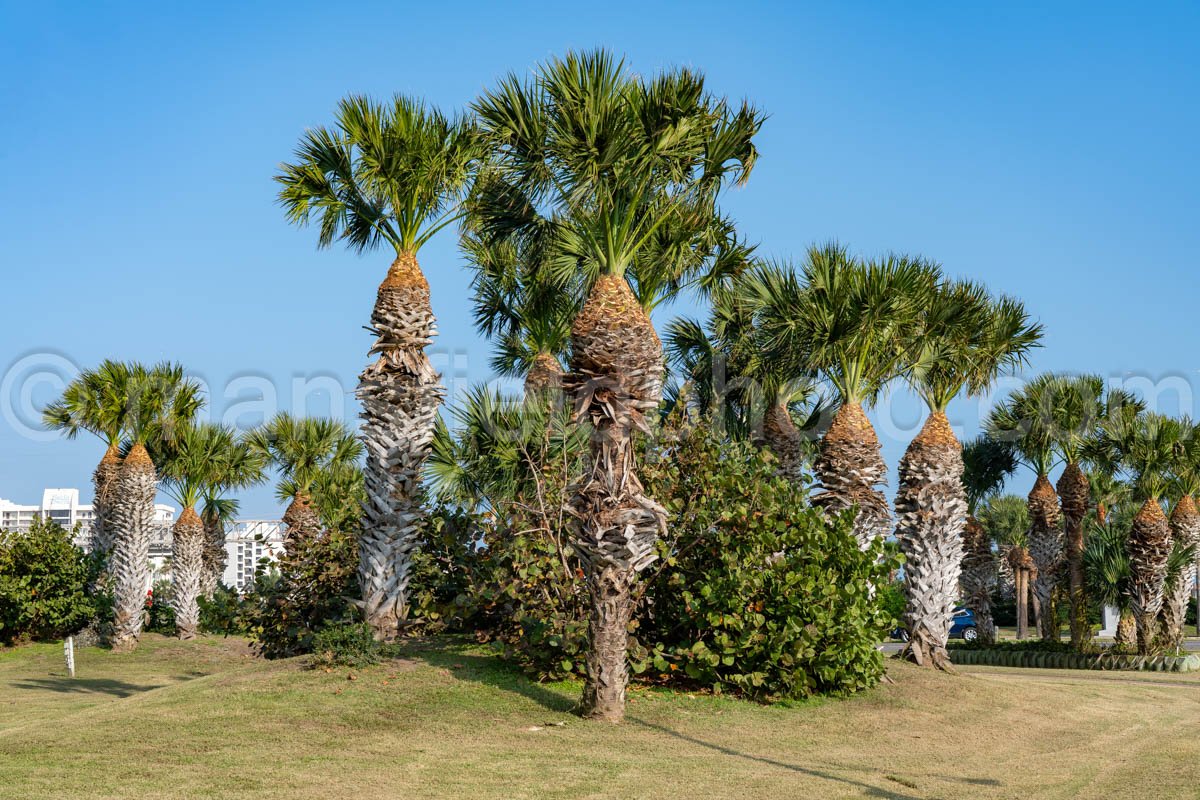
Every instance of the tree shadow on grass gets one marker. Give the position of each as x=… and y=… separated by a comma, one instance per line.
x=490, y=671
x=867, y=789
x=83, y=686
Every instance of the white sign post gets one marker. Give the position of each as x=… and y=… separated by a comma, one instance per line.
x=69, y=653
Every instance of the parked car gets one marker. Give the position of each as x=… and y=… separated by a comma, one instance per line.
x=962, y=626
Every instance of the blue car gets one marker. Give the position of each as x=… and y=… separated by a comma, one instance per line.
x=962, y=626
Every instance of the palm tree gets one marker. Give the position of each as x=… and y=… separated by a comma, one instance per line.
x=189, y=464
x=618, y=177
x=850, y=322
x=1005, y=519
x=1185, y=537
x=1149, y=445
x=964, y=340
x=1025, y=421
x=1107, y=572
x=237, y=464
x=987, y=464
x=300, y=448
x=97, y=401
x=387, y=175
x=163, y=405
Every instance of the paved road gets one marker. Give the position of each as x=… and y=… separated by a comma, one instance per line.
x=1191, y=645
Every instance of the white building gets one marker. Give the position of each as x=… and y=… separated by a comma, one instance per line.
x=247, y=544
x=63, y=506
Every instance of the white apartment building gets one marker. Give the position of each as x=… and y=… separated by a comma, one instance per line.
x=249, y=543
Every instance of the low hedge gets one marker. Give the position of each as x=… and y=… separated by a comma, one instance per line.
x=1042, y=659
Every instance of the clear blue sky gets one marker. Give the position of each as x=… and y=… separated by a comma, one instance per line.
x=1047, y=149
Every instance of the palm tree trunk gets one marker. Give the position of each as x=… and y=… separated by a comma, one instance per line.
x=784, y=441
x=979, y=576
x=400, y=393
x=615, y=380
x=1126, y=637
x=187, y=565
x=1149, y=549
x=850, y=468
x=931, y=511
x=1021, y=568
x=133, y=520
x=215, y=556
x=301, y=522
x=1075, y=492
x=104, y=481
x=545, y=377
x=1185, y=532
x=1046, y=549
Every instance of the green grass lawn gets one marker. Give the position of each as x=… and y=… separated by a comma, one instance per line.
x=206, y=719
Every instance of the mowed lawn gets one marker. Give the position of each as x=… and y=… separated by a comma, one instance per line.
x=207, y=719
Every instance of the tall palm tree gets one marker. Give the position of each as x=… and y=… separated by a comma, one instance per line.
x=987, y=464
x=963, y=341
x=237, y=464
x=300, y=448
x=1005, y=518
x=163, y=404
x=618, y=176
x=387, y=175
x=188, y=464
x=1025, y=420
x=97, y=401
x=850, y=322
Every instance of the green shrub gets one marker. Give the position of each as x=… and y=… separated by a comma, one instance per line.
x=756, y=593
x=160, y=616
x=44, y=585
x=345, y=645
x=223, y=613
x=314, y=587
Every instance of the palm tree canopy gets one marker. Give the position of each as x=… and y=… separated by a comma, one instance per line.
x=965, y=339
x=987, y=464
x=385, y=173
x=849, y=320
x=163, y=403
x=1149, y=449
x=611, y=173
x=96, y=401
x=1005, y=518
x=195, y=460
x=300, y=447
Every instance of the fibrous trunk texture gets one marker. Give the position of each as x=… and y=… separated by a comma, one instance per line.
x=850, y=468
x=1149, y=549
x=1126, y=637
x=215, y=556
x=545, y=377
x=400, y=393
x=615, y=381
x=979, y=577
x=931, y=510
x=301, y=522
x=784, y=440
x=132, y=515
x=104, y=481
x=1075, y=493
x=1046, y=549
x=1185, y=532
x=187, y=566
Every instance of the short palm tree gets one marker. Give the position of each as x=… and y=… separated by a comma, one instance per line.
x=97, y=401
x=618, y=176
x=1185, y=537
x=1106, y=570
x=188, y=464
x=1025, y=420
x=237, y=465
x=300, y=448
x=1005, y=519
x=963, y=341
x=387, y=175
x=163, y=404
x=987, y=464
x=850, y=322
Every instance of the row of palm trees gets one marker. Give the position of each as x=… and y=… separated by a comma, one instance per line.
x=1112, y=452
x=147, y=419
